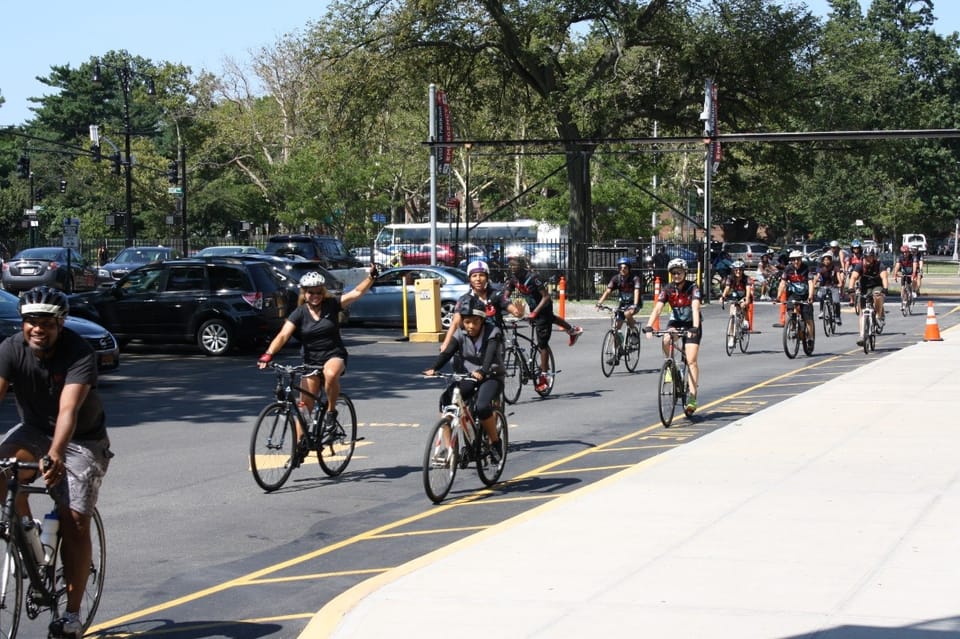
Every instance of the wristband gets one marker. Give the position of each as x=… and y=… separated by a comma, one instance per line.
x=265, y=358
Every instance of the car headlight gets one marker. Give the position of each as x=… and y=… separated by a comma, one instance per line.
x=103, y=273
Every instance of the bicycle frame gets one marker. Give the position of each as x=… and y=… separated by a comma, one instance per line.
x=736, y=334
x=868, y=333
x=616, y=344
x=674, y=375
x=522, y=361
x=795, y=330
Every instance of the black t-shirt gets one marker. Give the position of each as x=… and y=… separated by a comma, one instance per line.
x=320, y=339
x=37, y=384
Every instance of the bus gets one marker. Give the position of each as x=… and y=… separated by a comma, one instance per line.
x=484, y=233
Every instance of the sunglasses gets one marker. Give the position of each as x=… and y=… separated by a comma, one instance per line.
x=313, y=291
x=41, y=321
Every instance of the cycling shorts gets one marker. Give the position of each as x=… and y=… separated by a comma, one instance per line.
x=683, y=326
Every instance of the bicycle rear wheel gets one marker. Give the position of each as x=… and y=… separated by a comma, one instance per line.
x=98, y=568
x=272, y=446
x=12, y=584
x=731, y=338
x=550, y=373
x=440, y=461
x=335, y=449
x=631, y=357
x=488, y=469
x=513, y=380
x=608, y=353
x=791, y=337
x=669, y=377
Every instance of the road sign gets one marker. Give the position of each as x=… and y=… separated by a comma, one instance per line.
x=379, y=218
x=71, y=241
x=175, y=190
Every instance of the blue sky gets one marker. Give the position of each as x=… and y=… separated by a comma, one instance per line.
x=199, y=34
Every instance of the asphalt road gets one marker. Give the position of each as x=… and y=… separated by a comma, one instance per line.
x=196, y=549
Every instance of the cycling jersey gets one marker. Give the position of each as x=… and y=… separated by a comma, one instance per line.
x=737, y=285
x=798, y=280
x=906, y=263
x=680, y=297
x=625, y=286
x=869, y=275
x=496, y=305
x=533, y=289
x=828, y=275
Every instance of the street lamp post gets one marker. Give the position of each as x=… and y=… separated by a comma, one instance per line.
x=125, y=74
x=956, y=238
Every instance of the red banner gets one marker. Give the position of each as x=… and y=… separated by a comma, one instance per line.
x=444, y=133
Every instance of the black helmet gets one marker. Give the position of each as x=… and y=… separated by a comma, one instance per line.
x=474, y=306
x=44, y=300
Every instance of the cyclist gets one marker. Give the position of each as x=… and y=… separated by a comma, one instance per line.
x=479, y=345
x=480, y=288
x=839, y=256
x=684, y=299
x=872, y=278
x=918, y=270
x=855, y=258
x=906, y=267
x=766, y=273
x=53, y=372
x=738, y=287
x=629, y=288
x=797, y=283
x=316, y=325
x=828, y=280
x=534, y=290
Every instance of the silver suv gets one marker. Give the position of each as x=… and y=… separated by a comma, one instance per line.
x=749, y=252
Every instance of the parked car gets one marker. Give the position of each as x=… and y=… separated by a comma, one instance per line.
x=212, y=251
x=216, y=302
x=329, y=251
x=421, y=254
x=130, y=258
x=103, y=343
x=383, y=303
x=289, y=272
x=47, y=266
x=748, y=252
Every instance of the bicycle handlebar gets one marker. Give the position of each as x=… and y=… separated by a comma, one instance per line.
x=19, y=464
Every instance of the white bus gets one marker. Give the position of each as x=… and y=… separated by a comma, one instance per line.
x=486, y=233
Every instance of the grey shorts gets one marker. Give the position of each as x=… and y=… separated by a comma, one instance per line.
x=86, y=461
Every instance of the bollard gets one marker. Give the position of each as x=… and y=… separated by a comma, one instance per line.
x=656, y=296
x=562, y=290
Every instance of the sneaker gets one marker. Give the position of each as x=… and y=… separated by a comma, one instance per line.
x=303, y=449
x=611, y=361
x=440, y=457
x=574, y=334
x=668, y=378
x=859, y=342
x=496, y=451
x=542, y=384
x=746, y=325
x=820, y=315
x=68, y=626
x=691, y=406
x=330, y=429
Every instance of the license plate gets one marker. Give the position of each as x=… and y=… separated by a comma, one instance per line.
x=106, y=360
x=28, y=271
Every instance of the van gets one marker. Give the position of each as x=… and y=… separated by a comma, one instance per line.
x=915, y=241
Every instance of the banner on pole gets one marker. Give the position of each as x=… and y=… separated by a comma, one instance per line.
x=444, y=133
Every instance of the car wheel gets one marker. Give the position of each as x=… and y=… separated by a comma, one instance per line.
x=215, y=337
x=447, y=307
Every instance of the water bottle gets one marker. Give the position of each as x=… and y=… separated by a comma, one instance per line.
x=48, y=535
x=31, y=531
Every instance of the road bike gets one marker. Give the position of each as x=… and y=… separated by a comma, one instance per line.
x=737, y=333
x=459, y=439
x=618, y=344
x=828, y=309
x=32, y=583
x=674, y=375
x=795, y=331
x=274, y=452
x=521, y=361
x=871, y=327
x=907, y=296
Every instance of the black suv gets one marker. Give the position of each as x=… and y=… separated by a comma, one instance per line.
x=216, y=302
x=329, y=251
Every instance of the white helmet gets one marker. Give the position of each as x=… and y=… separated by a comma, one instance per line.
x=795, y=254
x=478, y=266
x=311, y=279
x=737, y=264
x=834, y=244
x=677, y=262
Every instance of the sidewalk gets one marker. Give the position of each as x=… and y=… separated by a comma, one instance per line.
x=832, y=514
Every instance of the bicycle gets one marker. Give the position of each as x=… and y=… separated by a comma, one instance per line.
x=458, y=439
x=907, y=296
x=829, y=311
x=616, y=347
x=43, y=578
x=795, y=331
x=521, y=360
x=673, y=376
x=274, y=452
x=871, y=326
x=737, y=334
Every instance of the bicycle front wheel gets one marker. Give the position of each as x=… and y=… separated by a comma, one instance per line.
x=608, y=353
x=631, y=357
x=791, y=337
x=550, y=373
x=829, y=326
x=489, y=467
x=12, y=583
x=272, y=446
x=440, y=461
x=743, y=335
x=669, y=377
x=731, y=339
x=867, y=332
x=335, y=446
x=513, y=379
x=98, y=567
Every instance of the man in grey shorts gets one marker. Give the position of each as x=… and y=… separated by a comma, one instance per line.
x=53, y=372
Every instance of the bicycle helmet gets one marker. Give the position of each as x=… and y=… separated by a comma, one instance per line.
x=677, y=263
x=44, y=300
x=474, y=307
x=905, y=248
x=624, y=260
x=738, y=264
x=826, y=256
x=311, y=279
x=795, y=255
x=478, y=266
x=834, y=244
x=855, y=244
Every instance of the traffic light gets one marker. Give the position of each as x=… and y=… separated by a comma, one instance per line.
x=95, y=151
x=38, y=194
x=115, y=158
x=23, y=167
x=63, y=185
x=173, y=172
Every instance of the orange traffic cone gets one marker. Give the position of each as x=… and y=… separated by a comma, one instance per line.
x=750, y=316
x=932, y=333
x=783, y=311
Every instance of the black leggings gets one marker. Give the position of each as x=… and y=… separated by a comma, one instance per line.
x=487, y=391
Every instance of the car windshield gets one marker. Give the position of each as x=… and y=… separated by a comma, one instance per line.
x=138, y=256
x=40, y=253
